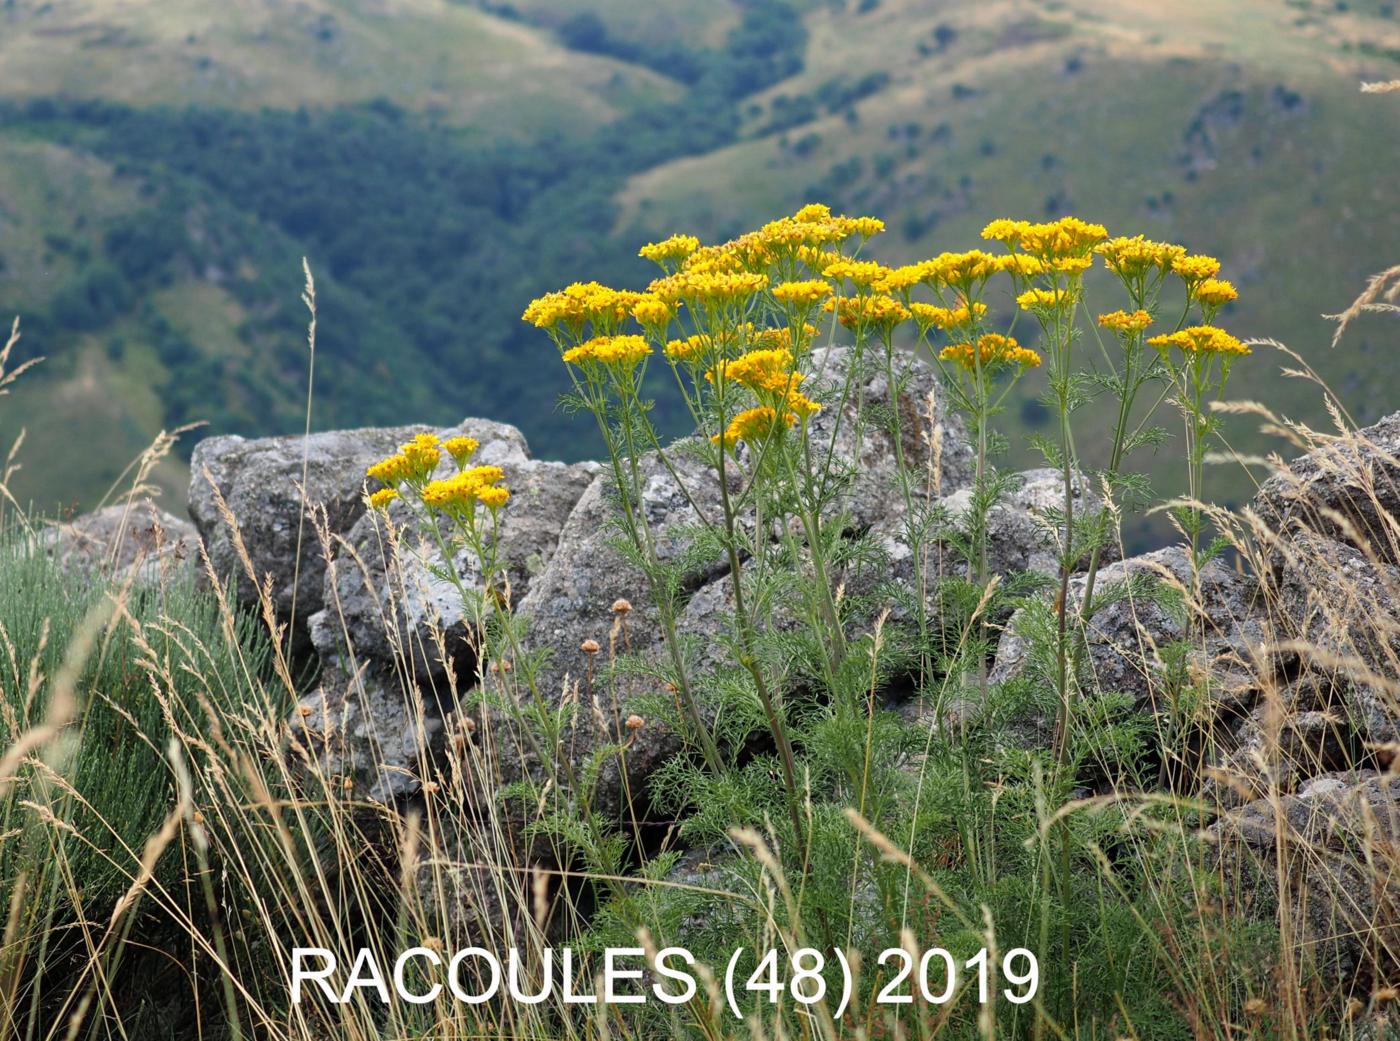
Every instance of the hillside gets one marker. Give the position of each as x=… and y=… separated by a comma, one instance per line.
x=439, y=163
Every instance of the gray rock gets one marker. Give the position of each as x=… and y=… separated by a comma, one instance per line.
x=1021, y=531
x=376, y=732
x=1347, y=490
x=1276, y=750
x=118, y=540
x=1126, y=637
x=1342, y=610
x=1338, y=836
x=386, y=594
x=260, y=481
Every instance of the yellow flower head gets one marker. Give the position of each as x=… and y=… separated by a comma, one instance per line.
x=1196, y=268
x=928, y=316
x=1132, y=258
x=691, y=349
x=391, y=471
x=414, y=461
x=782, y=338
x=1215, y=292
x=897, y=280
x=753, y=426
x=675, y=249
x=765, y=370
x=493, y=497
x=461, y=448
x=460, y=493
x=1126, y=322
x=1201, y=339
x=618, y=352
x=381, y=499
x=578, y=303
x=960, y=269
x=1071, y=265
x=1043, y=299
x=1066, y=237
x=801, y=295
x=860, y=273
x=878, y=311
x=712, y=288
x=813, y=213
x=993, y=351
x=800, y=404
x=1022, y=265
x=651, y=310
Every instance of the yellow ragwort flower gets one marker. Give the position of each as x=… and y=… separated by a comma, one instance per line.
x=1042, y=299
x=765, y=370
x=862, y=274
x=1132, y=258
x=879, y=311
x=676, y=248
x=1196, y=268
x=691, y=349
x=752, y=426
x=461, y=448
x=1200, y=339
x=1066, y=237
x=381, y=499
x=712, y=288
x=959, y=269
x=800, y=404
x=414, y=461
x=652, y=310
x=460, y=493
x=493, y=497
x=929, y=316
x=613, y=351
x=801, y=294
x=993, y=351
x=1126, y=322
x=578, y=303
x=1215, y=292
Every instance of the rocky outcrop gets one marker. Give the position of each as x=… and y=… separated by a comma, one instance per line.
x=1328, y=854
x=137, y=538
x=283, y=490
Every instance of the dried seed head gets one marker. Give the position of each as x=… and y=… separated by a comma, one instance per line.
x=1385, y=995
x=589, y=646
x=1254, y=1007
x=198, y=817
x=621, y=606
x=348, y=783
x=304, y=711
x=431, y=787
x=434, y=943
x=468, y=724
x=635, y=722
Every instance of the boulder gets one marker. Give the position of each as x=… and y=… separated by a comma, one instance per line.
x=386, y=592
x=261, y=483
x=376, y=732
x=1126, y=637
x=1338, y=877
x=1347, y=490
x=1339, y=610
x=1021, y=530
x=118, y=540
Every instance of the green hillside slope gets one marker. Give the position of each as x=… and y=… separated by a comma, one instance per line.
x=164, y=167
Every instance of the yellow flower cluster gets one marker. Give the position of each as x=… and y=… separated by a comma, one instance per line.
x=930, y=316
x=1042, y=299
x=752, y=426
x=652, y=310
x=1126, y=322
x=708, y=287
x=879, y=311
x=578, y=303
x=960, y=269
x=863, y=274
x=782, y=338
x=1215, y=292
x=460, y=493
x=801, y=294
x=381, y=499
x=676, y=249
x=691, y=349
x=412, y=463
x=992, y=351
x=1201, y=339
x=461, y=448
x=1196, y=268
x=1133, y=257
x=619, y=352
x=767, y=371
x=1066, y=237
